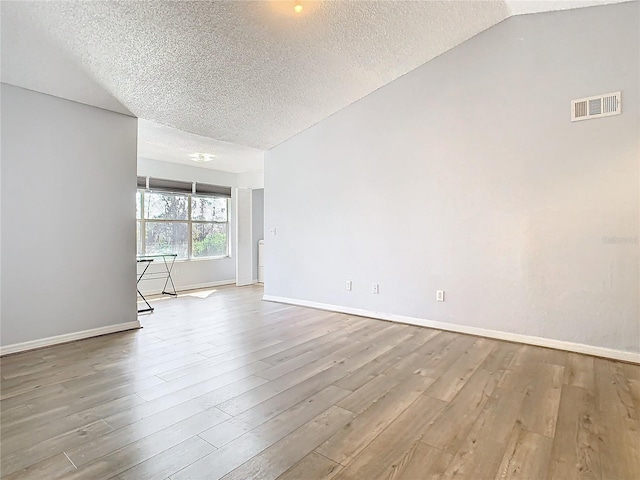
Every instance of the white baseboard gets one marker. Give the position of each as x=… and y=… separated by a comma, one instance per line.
x=195, y=286
x=482, y=332
x=67, y=337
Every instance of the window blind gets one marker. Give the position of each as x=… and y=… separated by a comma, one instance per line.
x=178, y=186
x=215, y=190
x=174, y=186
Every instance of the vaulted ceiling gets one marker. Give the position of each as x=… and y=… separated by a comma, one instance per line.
x=252, y=73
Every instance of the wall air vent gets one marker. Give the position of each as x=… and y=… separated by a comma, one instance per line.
x=595, y=107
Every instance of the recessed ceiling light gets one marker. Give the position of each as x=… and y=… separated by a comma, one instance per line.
x=297, y=7
x=202, y=157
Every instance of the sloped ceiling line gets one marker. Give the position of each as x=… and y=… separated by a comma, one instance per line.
x=242, y=72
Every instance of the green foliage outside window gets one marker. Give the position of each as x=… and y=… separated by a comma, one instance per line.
x=190, y=226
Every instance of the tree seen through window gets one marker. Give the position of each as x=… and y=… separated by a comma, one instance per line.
x=191, y=226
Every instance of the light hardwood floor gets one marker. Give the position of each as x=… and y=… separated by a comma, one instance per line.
x=220, y=384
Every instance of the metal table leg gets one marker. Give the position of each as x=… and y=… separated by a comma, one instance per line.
x=149, y=307
x=169, y=267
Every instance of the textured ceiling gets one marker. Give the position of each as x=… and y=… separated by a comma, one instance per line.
x=251, y=73
x=31, y=60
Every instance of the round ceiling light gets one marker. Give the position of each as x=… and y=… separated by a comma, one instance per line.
x=297, y=7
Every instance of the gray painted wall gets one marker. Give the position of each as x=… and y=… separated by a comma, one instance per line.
x=68, y=222
x=467, y=175
x=257, y=228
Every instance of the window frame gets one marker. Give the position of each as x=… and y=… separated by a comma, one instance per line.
x=142, y=221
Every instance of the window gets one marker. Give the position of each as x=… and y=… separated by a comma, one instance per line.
x=189, y=225
x=209, y=227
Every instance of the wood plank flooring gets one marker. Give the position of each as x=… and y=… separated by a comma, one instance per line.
x=219, y=384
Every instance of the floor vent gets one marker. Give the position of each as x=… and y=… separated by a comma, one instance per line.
x=595, y=107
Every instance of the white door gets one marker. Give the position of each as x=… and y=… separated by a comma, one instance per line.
x=244, y=261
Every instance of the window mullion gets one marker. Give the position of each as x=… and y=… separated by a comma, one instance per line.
x=189, y=228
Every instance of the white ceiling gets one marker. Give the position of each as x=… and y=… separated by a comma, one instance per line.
x=250, y=73
x=159, y=142
x=520, y=7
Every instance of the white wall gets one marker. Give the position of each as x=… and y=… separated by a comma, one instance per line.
x=467, y=175
x=68, y=225
x=251, y=180
x=257, y=229
x=244, y=226
x=189, y=274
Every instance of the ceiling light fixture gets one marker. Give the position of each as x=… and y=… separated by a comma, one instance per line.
x=297, y=7
x=201, y=157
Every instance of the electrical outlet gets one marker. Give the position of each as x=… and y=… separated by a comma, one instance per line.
x=348, y=285
x=273, y=232
x=440, y=295
x=375, y=288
